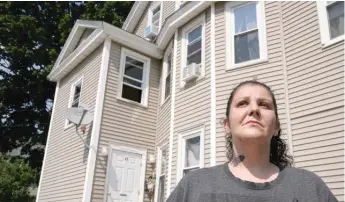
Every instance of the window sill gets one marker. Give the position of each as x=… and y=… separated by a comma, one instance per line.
x=333, y=41
x=132, y=102
x=245, y=64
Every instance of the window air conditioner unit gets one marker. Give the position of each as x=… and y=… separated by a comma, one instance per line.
x=192, y=71
x=151, y=31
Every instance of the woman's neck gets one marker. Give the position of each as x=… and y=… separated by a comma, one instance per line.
x=251, y=162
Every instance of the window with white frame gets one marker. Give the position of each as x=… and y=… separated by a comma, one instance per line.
x=155, y=16
x=74, y=100
x=167, y=77
x=331, y=19
x=193, y=46
x=192, y=152
x=162, y=154
x=134, y=79
x=246, y=33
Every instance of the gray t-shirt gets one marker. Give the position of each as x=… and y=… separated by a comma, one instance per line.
x=218, y=184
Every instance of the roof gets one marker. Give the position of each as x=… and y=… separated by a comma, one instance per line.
x=102, y=30
x=134, y=15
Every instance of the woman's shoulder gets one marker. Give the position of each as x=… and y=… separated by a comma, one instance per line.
x=301, y=174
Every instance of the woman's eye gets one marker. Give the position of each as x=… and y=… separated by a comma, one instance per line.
x=264, y=105
x=242, y=103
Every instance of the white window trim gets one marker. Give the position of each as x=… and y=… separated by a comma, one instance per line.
x=164, y=73
x=159, y=167
x=188, y=28
x=146, y=76
x=150, y=12
x=324, y=26
x=127, y=148
x=80, y=80
x=261, y=23
x=181, y=151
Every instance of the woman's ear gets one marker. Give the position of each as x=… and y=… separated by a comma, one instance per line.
x=226, y=125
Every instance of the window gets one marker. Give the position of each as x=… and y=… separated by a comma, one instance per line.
x=134, y=81
x=191, y=152
x=193, y=46
x=168, y=78
x=166, y=74
x=155, y=16
x=74, y=99
x=161, y=173
x=331, y=20
x=246, y=34
x=194, y=40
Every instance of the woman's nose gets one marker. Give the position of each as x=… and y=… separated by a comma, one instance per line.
x=254, y=109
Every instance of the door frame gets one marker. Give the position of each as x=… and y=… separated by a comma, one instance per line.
x=127, y=148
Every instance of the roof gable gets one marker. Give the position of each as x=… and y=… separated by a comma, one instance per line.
x=80, y=31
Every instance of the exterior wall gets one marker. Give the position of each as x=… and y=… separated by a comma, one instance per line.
x=192, y=104
x=65, y=163
x=168, y=8
x=316, y=95
x=124, y=122
x=164, y=118
x=270, y=72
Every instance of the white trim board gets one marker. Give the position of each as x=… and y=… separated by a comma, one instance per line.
x=172, y=114
x=213, y=90
x=96, y=127
x=127, y=148
x=48, y=138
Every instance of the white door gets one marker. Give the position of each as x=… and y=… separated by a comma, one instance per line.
x=124, y=177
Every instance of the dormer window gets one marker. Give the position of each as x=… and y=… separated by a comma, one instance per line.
x=154, y=21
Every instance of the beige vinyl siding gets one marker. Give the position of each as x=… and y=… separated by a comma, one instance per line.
x=270, y=72
x=192, y=103
x=125, y=123
x=316, y=94
x=168, y=9
x=64, y=173
x=164, y=116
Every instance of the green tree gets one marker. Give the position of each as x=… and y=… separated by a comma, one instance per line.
x=16, y=177
x=31, y=37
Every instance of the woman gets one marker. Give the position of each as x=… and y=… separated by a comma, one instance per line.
x=258, y=162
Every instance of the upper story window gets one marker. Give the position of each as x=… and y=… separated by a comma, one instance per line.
x=75, y=94
x=156, y=15
x=154, y=21
x=134, y=77
x=331, y=20
x=167, y=78
x=246, y=34
x=193, y=50
x=191, y=147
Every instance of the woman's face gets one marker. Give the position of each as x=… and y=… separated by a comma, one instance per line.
x=252, y=114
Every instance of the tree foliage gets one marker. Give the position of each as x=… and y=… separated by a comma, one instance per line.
x=31, y=37
x=16, y=177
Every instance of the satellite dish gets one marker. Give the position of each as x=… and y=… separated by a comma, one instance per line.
x=79, y=115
